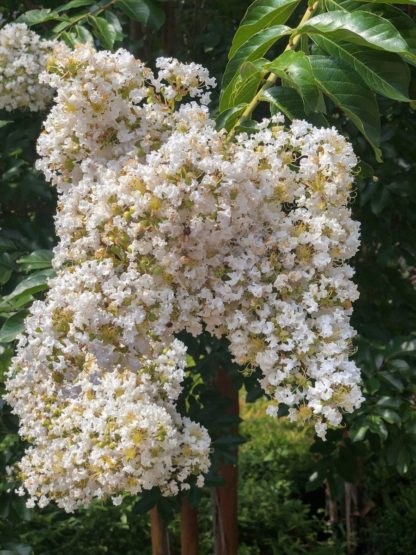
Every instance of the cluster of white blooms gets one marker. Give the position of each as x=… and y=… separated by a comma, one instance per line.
x=166, y=225
x=23, y=56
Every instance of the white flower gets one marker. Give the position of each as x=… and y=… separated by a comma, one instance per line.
x=23, y=56
x=166, y=226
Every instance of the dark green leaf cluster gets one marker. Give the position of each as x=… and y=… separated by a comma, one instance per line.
x=87, y=21
x=341, y=54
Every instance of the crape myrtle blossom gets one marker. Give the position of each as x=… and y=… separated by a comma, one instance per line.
x=165, y=225
x=23, y=56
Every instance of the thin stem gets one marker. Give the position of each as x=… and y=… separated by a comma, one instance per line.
x=86, y=15
x=272, y=78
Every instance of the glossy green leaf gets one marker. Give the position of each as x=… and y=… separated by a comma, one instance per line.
x=392, y=380
x=295, y=68
x=61, y=26
x=83, y=35
x=104, y=30
x=390, y=416
x=343, y=5
x=253, y=49
x=385, y=73
x=358, y=432
x=114, y=21
x=403, y=23
x=259, y=16
x=36, y=260
x=288, y=102
x=246, y=89
x=35, y=17
x=345, y=88
x=144, y=11
x=12, y=327
x=358, y=27
x=285, y=100
x=74, y=4
x=34, y=283
x=377, y=426
x=407, y=2
x=5, y=274
x=390, y=402
x=244, y=84
x=227, y=118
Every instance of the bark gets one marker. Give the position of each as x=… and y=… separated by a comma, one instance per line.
x=224, y=498
x=189, y=528
x=159, y=534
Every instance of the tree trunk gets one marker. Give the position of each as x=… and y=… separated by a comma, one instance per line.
x=189, y=528
x=225, y=497
x=159, y=534
x=351, y=514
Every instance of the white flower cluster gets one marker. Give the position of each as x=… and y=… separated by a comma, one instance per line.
x=165, y=225
x=23, y=56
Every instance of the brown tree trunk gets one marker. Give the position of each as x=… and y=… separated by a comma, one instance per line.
x=331, y=505
x=189, y=528
x=225, y=497
x=351, y=514
x=159, y=534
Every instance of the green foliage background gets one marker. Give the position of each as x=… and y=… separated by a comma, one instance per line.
x=287, y=478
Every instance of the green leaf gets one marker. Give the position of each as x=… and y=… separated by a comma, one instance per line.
x=4, y=122
x=343, y=5
x=5, y=274
x=403, y=23
x=144, y=11
x=34, y=283
x=403, y=459
x=114, y=21
x=253, y=49
x=83, y=35
x=295, y=68
x=227, y=118
x=390, y=416
x=358, y=433
x=148, y=499
x=12, y=327
x=245, y=89
x=259, y=16
x=36, y=260
x=61, y=26
x=377, y=426
x=407, y=2
x=392, y=380
x=244, y=84
x=397, y=17
x=385, y=73
x=104, y=30
x=399, y=364
x=285, y=100
x=74, y=4
x=390, y=402
x=288, y=102
x=358, y=27
x=345, y=88
x=35, y=17
x=372, y=385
